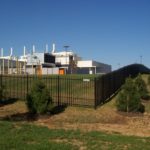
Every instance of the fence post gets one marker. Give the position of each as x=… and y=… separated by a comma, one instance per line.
x=95, y=92
x=1, y=89
x=58, y=90
x=1, y=80
x=27, y=84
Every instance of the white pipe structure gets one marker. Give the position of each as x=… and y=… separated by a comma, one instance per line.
x=11, y=52
x=33, y=50
x=3, y=66
x=53, y=50
x=1, y=52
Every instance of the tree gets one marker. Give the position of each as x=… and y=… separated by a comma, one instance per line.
x=141, y=87
x=128, y=99
x=38, y=100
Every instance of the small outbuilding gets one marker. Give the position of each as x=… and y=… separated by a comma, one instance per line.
x=92, y=67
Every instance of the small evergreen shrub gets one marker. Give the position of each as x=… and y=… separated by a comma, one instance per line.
x=38, y=100
x=141, y=87
x=128, y=99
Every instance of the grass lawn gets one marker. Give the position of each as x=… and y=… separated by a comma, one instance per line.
x=22, y=136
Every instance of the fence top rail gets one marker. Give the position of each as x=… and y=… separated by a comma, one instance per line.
x=76, y=78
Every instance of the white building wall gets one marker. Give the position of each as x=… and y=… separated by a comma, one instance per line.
x=93, y=67
x=85, y=63
x=40, y=57
x=63, y=57
x=46, y=71
x=7, y=66
x=30, y=70
x=62, y=60
x=35, y=58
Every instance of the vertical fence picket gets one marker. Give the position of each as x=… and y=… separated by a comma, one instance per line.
x=58, y=89
x=27, y=84
x=95, y=92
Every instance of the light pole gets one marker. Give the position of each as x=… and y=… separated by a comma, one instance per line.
x=66, y=48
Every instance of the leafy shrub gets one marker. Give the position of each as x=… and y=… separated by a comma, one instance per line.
x=141, y=87
x=38, y=100
x=128, y=99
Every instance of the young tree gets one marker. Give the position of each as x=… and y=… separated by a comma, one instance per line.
x=128, y=99
x=38, y=100
x=141, y=86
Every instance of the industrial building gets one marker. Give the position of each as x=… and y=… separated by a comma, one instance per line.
x=11, y=64
x=50, y=62
x=92, y=67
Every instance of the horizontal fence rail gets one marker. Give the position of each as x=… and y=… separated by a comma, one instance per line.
x=72, y=90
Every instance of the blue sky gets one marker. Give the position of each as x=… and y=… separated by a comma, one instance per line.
x=110, y=31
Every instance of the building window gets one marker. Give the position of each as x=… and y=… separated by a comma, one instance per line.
x=49, y=58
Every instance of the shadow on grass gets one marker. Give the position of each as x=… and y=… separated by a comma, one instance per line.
x=33, y=117
x=20, y=117
x=58, y=109
x=7, y=101
x=146, y=97
x=104, y=101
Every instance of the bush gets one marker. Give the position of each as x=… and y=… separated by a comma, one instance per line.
x=38, y=101
x=128, y=99
x=141, y=87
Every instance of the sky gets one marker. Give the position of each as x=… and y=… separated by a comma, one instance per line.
x=115, y=32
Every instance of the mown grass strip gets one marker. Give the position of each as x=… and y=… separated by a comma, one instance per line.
x=20, y=136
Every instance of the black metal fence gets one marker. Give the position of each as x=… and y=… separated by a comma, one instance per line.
x=107, y=85
x=63, y=89
x=72, y=90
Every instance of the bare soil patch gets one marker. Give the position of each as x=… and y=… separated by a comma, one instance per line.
x=100, y=120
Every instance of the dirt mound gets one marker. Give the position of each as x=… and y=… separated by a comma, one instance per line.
x=105, y=118
x=99, y=120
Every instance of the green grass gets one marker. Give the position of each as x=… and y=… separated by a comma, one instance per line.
x=19, y=136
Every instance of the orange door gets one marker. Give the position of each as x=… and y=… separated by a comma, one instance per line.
x=39, y=70
x=61, y=71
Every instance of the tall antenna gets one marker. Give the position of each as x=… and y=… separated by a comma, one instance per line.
x=46, y=50
x=33, y=49
x=11, y=52
x=24, y=51
x=66, y=47
x=141, y=59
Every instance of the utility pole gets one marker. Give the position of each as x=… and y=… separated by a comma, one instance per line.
x=66, y=49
